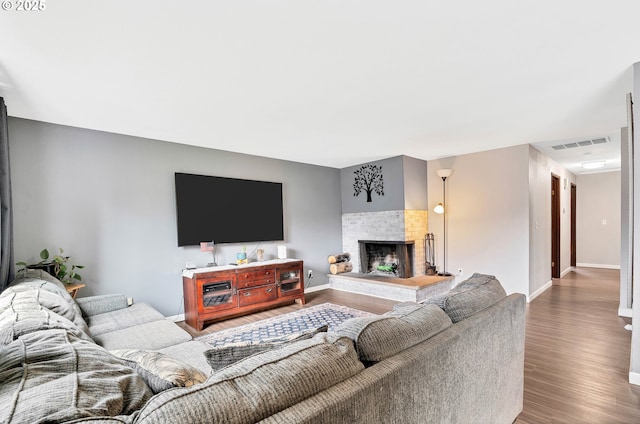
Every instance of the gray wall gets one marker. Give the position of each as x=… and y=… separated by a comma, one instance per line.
x=393, y=199
x=598, y=200
x=415, y=183
x=405, y=186
x=109, y=201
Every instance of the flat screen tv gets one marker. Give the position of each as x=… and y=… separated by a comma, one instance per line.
x=227, y=210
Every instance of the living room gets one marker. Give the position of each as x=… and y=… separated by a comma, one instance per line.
x=101, y=185
x=114, y=211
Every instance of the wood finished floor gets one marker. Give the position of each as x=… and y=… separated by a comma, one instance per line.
x=576, y=354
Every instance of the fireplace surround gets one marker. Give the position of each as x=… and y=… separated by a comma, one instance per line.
x=396, y=225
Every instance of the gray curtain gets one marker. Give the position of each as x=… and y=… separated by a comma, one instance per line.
x=7, y=266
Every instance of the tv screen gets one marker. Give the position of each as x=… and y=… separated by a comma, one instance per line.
x=227, y=210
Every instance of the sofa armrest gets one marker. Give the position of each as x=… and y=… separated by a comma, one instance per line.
x=94, y=305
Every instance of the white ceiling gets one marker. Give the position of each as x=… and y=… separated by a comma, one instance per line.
x=333, y=83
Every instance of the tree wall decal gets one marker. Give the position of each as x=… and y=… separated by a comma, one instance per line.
x=369, y=179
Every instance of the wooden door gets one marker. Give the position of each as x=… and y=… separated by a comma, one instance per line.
x=555, y=226
x=573, y=224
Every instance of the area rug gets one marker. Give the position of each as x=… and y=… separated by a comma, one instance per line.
x=294, y=322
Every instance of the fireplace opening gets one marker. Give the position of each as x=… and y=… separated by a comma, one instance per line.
x=386, y=258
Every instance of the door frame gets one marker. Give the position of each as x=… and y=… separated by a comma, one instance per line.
x=574, y=202
x=555, y=226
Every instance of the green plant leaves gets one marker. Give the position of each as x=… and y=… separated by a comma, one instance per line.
x=58, y=266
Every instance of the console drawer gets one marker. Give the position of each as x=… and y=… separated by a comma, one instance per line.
x=257, y=295
x=261, y=274
x=262, y=281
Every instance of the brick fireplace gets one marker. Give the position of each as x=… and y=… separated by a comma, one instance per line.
x=404, y=227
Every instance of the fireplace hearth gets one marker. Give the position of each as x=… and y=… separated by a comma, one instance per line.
x=387, y=258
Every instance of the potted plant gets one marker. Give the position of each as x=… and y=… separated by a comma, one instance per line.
x=58, y=266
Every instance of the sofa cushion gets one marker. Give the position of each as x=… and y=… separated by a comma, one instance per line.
x=136, y=314
x=470, y=296
x=380, y=337
x=160, y=371
x=100, y=304
x=223, y=356
x=260, y=385
x=191, y=352
x=153, y=335
x=53, y=376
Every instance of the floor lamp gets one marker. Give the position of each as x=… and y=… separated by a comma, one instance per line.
x=440, y=209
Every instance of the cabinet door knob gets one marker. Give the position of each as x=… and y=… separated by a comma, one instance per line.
x=269, y=290
x=247, y=293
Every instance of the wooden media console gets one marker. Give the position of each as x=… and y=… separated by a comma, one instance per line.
x=217, y=293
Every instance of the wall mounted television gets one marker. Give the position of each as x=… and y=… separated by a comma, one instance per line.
x=227, y=210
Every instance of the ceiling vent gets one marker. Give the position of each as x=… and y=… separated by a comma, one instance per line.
x=580, y=144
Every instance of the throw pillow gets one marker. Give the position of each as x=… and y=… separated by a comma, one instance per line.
x=470, y=296
x=160, y=372
x=380, y=337
x=223, y=356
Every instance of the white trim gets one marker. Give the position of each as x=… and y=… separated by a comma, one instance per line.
x=176, y=318
x=625, y=312
x=539, y=291
x=634, y=378
x=317, y=288
x=604, y=266
x=566, y=271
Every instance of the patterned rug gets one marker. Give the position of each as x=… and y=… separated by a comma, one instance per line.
x=293, y=322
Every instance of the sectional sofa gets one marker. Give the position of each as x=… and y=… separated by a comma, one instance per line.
x=458, y=358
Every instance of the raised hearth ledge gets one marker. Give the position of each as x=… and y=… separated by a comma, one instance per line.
x=415, y=289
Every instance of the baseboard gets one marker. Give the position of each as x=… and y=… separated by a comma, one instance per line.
x=634, y=378
x=539, y=291
x=604, y=266
x=317, y=288
x=176, y=318
x=566, y=271
x=625, y=312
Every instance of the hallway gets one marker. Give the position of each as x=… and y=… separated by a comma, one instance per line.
x=577, y=353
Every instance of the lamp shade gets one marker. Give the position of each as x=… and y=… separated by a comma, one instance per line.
x=444, y=173
x=439, y=208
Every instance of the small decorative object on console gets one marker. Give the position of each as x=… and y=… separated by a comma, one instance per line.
x=209, y=246
x=241, y=258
